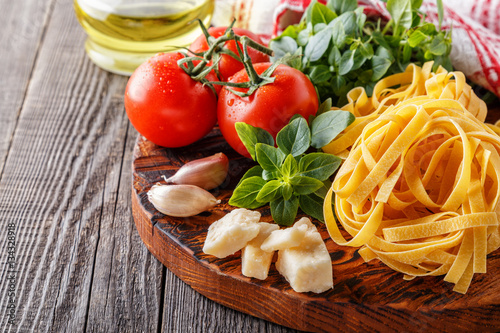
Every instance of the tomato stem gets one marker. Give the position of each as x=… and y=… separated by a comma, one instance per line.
x=199, y=71
x=247, y=62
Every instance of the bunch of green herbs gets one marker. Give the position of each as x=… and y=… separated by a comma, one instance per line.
x=342, y=49
x=290, y=176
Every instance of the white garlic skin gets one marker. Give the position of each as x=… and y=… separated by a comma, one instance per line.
x=208, y=172
x=181, y=200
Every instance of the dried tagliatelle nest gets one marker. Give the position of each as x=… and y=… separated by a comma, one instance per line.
x=419, y=188
x=415, y=81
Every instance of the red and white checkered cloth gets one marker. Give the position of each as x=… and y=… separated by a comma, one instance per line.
x=475, y=28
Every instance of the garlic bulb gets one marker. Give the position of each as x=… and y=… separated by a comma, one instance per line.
x=207, y=173
x=181, y=200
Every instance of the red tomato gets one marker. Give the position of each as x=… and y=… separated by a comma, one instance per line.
x=227, y=64
x=270, y=107
x=166, y=105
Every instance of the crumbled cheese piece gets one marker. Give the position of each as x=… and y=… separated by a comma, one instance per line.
x=284, y=238
x=254, y=261
x=232, y=232
x=307, y=267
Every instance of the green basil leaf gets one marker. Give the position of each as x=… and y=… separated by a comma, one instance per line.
x=318, y=27
x=321, y=14
x=251, y=135
x=346, y=62
x=358, y=59
x=380, y=67
x=360, y=19
x=338, y=83
x=269, y=157
x=312, y=205
x=283, y=46
x=318, y=44
x=304, y=35
x=323, y=191
x=380, y=40
x=366, y=50
x=349, y=22
x=294, y=138
x=428, y=55
x=319, y=166
x=290, y=31
x=284, y=211
x=245, y=194
x=438, y=47
x=328, y=125
x=415, y=4
x=324, y=107
x=386, y=53
x=342, y=6
x=305, y=185
x=416, y=19
x=268, y=175
x=428, y=29
x=334, y=56
x=253, y=171
x=296, y=60
x=407, y=50
x=338, y=35
x=290, y=166
x=320, y=73
x=271, y=191
x=401, y=12
x=287, y=191
x=416, y=37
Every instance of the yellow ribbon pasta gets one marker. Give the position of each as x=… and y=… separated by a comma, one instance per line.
x=420, y=187
x=415, y=81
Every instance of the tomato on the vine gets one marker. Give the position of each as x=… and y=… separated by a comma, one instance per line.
x=166, y=105
x=228, y=65
x=270, y=107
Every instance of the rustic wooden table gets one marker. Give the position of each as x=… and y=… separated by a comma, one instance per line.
x=71, y=258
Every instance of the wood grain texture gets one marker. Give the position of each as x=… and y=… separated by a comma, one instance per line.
x=65, y=155
x=80, y=264
x=23, y=26
x=365, y=297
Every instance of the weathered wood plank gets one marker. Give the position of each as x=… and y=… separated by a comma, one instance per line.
x=63, y=186
x=23, y=24
x=188, y=311
x=127, y=280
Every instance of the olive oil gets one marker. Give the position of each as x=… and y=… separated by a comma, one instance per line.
x=124, y=34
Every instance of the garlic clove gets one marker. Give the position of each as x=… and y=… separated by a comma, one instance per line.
x=181, y=200
x=207, y=173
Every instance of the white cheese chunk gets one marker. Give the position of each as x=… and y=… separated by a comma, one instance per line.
x=232, y=232
x=307, y=267
x=254, y=261
x=284, y=238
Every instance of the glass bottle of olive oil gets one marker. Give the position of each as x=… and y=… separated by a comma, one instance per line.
x=122, y=34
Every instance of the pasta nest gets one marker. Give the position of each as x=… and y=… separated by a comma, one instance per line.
x=419, y=186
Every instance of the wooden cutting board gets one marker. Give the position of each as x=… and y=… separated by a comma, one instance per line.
x=365, y=297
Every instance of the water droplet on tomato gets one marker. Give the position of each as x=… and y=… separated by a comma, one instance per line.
x=230, y=102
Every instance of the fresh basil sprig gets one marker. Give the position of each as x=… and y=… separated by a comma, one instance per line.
x=288, y=177
x=341, y=48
